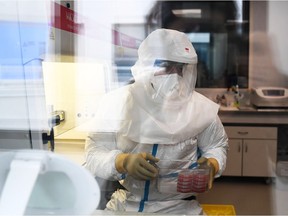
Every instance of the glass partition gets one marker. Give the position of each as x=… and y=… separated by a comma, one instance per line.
x=219, y=32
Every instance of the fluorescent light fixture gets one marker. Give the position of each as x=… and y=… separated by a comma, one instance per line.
x=189, y=13
x=199, y=37
x=237, y=21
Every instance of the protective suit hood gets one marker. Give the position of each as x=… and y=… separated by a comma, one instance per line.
x=172, y=46
x=142, y=113
x=165, y=44
x=167, y=123
x=130, y=112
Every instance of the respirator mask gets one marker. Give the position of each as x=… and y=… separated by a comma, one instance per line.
x=172, y=81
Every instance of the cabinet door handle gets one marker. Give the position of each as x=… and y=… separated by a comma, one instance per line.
x=246, y=148
x=239, y=147
x=242, y=132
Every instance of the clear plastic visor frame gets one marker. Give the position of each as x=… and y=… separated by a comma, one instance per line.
x=187, y=76
x=169, y=67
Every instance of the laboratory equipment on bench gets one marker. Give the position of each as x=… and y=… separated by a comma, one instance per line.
x=269, y=97
x=38, y=182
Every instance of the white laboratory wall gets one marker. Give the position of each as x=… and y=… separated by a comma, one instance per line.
x=268, y=44
x=101, y=17
x=26, y=11
x=277, y=29
x=131, y=11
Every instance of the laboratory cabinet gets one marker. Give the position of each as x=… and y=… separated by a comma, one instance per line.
x=252, y=151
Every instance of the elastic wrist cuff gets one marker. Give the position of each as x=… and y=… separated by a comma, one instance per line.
x=119, y=162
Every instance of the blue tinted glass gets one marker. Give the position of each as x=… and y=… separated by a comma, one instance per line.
x=22, y=46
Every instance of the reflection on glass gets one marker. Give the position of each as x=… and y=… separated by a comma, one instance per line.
x=219, y=32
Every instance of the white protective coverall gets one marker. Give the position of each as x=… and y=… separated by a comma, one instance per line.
x=163, y=116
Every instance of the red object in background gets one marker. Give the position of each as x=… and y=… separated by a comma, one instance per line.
x=65, y=19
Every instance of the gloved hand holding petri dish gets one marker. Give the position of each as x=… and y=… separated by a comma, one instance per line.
x=211, y=165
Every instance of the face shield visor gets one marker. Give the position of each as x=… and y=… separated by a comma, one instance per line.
x=166, y=66
x=173, y=81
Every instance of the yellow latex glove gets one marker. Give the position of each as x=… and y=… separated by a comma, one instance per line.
x=213, y=166
x=137, y=165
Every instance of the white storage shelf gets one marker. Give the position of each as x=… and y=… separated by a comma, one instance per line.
x=252, y=151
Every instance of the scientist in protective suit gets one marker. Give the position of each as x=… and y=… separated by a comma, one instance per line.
x=158, y=118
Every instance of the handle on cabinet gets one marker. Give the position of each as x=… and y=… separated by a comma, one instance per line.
x=246, y=147
x=242, y=132
x=239, y=147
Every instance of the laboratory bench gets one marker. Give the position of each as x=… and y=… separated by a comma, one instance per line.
x=251, y=115
x=71, y=145
x=257, y=140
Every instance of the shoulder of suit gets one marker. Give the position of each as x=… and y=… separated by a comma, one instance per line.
x=205, y=103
